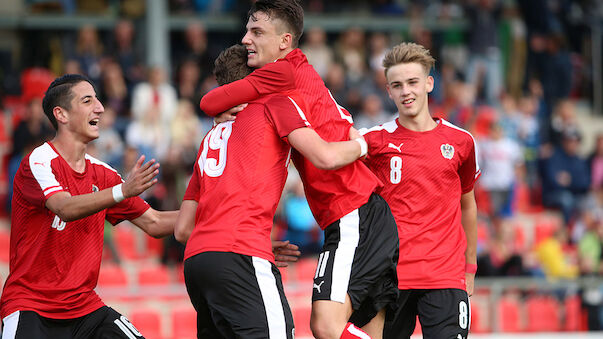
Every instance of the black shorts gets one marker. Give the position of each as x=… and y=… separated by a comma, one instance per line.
x=237, y=296
x=359, y=258
x=104, y=323
x=443, y=313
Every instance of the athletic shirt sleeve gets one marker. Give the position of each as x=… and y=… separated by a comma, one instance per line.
x=192, y=190
x=469, y=170
x=30, y=188
x=274, y=77
x=286, y=114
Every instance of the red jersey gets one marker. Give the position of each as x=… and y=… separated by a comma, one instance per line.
x=54, y=265
x=239, y=177
x=425, y=174
x=331, y=194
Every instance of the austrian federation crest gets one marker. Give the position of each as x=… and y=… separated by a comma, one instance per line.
x=447, y=151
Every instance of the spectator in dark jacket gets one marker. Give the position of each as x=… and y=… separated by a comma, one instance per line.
x=565, y=176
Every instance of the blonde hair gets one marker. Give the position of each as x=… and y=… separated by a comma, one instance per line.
x=408, y=52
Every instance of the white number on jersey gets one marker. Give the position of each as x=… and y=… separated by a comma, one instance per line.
x=217, y=140
x=395, y=173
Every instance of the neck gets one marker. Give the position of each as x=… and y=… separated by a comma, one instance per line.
x=422, y=122
x=72, y=150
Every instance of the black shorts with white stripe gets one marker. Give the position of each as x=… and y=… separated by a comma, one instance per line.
x=237, y=296
x=104, y=323
x=443, y=313
x=359, y=258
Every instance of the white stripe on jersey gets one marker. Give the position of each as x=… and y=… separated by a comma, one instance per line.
x=277, y=327
x=11, y=322
x=449, y=124
x=349, y=236
x=389, y=126
x=39, y=162
x=95, y=161
x=300, y=112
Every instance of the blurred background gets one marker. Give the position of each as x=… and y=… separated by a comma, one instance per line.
x=524, y=77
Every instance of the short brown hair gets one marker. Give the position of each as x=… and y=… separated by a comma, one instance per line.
x=288, y=11
x=231, y=65
x=408, y=52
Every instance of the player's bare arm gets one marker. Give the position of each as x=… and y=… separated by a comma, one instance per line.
x=69, y=208
x=469, y=221
x=157, y=224
x=323, y=154
x=185, y=223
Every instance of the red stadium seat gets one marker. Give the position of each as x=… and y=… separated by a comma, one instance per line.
x=184, y=323
x=154, y=247
x=478, y=321
x=305, y=269
x=4, y=246
x=112, y=276
x=301, y=319
x=179, y=271
x=508, y=315
x=574, y=314
x=125, y=242
x=154, y=275
x=543, y=314
x=147, y=321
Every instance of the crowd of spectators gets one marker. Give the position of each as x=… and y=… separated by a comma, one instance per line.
x=516, y=80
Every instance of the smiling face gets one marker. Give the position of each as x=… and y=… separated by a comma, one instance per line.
x=408, y=85
x=82, y=118
x=265, y=40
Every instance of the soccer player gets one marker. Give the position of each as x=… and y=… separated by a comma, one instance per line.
x=429, y=167
x=227, y=214
x=62, y=197
x=355, y=277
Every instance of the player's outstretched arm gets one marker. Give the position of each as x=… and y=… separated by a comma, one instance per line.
x=469, y=221
x=273, y=77
x=69, y=208
x=157, y=224
x=326, y=155
x=185, y=222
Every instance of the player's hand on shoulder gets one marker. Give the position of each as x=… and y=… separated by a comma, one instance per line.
x=141, y=177
x=229, y=115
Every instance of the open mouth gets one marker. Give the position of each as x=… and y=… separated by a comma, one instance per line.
x=93, y=122
x=250, y=53
x=408, y=101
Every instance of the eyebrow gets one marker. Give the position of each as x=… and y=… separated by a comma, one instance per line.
x=87, y=96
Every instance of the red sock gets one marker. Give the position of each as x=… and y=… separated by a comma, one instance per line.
x=353, y=332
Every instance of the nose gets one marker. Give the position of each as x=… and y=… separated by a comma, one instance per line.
x=99, y=108
x=246, y=40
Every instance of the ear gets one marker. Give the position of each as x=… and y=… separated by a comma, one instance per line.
x=60, y=115
x=429, y=83
x=286, y=41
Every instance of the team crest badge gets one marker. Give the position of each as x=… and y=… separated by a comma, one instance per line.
x=447, y=151
x=94, y=188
